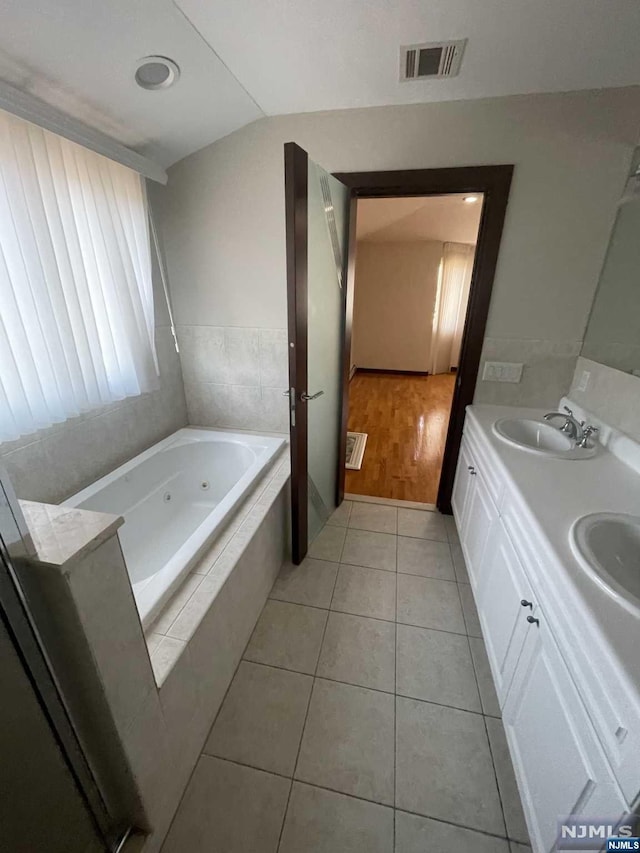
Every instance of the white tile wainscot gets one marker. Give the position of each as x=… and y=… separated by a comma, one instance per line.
x=563, y=654
x=146, y=704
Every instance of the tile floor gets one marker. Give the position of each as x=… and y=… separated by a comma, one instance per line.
x=363, y=718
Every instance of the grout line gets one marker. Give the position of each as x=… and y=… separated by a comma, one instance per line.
x=365, y=687
x=495, y=776
x=332, y=609
x=306, y=715
x=361, y=799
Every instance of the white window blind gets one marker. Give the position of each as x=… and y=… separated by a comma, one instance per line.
x=76, y=299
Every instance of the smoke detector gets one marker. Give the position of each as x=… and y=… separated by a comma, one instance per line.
x=156, y=72
x=433, y=59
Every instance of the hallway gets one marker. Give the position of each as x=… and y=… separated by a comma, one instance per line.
x=406, y=418
x=362, y=718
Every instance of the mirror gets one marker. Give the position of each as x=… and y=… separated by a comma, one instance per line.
x=613, y=330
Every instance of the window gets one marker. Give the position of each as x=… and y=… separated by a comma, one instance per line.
x=76, y=300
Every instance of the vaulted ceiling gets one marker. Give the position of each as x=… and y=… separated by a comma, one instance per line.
x=247, y=58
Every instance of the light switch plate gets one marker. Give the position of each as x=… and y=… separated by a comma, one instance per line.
x=502, y=371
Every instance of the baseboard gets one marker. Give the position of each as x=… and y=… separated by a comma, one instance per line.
x=385, y=370
x=352, y=372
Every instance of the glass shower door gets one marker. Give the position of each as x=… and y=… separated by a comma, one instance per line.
x=317, y=228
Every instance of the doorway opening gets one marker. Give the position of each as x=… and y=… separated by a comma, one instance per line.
x=321, y=240
x=414, y=259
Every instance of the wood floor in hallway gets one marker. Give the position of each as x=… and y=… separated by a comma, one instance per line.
x=406, y=418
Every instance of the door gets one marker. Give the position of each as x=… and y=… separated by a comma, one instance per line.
x=462, y=484
x=505, y=600
x=317, y=218
x=479, y=516
x=559, y=763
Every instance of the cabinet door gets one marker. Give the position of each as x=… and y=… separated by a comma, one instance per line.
x=462, y=483
x=501, y=589
x=560, y=767
x=480, y=514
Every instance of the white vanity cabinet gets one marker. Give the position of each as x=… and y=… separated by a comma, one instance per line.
x=560, y=764
x=473, y=506
x=505, y=602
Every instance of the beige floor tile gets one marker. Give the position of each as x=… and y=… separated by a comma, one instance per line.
x=340, y=516
x=262, y=717
x=423, y=525
x=429, y=603
x=470, y=611
x=436, y=666
x=365, y=516
x=320, y=821
x=459, y=564
x=229, y=808
x=444, y=767
x=359, y=651
x=425, y=557
x=309, y=583
x=348, y=741
x=365, y=592
x=452, y=529
x=488, y=695
x=416, y=834
x=287, y=635
x=373, y=550
x=509, y=794
x=328, y=543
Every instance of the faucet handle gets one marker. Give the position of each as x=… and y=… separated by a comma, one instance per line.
x=568, y=411
x=587, y=432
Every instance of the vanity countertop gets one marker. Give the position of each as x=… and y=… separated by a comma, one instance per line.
x=557, y=492
x=62, y=534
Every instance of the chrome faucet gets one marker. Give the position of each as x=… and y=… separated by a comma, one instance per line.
x=572, y=427
x=587, y=432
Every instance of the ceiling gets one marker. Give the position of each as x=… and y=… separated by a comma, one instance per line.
x=444, y=218
x=248, y=58
x=80, y=56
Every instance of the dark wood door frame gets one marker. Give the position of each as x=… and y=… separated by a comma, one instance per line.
x=296, y=163
x=494, y=183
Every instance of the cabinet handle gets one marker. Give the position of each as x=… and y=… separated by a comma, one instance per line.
x=526, y=603
x=533, y=621
x=471, y=470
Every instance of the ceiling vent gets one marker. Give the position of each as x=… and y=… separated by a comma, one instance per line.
x=436, y=59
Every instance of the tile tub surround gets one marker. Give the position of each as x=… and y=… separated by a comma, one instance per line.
x=54, y=463
x=546, y=376
x=150, y=736
x=353, y=713
x=235, y=377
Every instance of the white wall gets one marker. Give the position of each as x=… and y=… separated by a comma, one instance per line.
x=395, y=294
x=223, y=212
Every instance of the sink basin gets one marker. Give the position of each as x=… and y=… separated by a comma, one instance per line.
x=607, y=545
x=540, y=437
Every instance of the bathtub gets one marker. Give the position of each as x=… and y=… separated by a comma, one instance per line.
x=174, y=497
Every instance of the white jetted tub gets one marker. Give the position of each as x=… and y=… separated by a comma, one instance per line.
x=174, y=497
